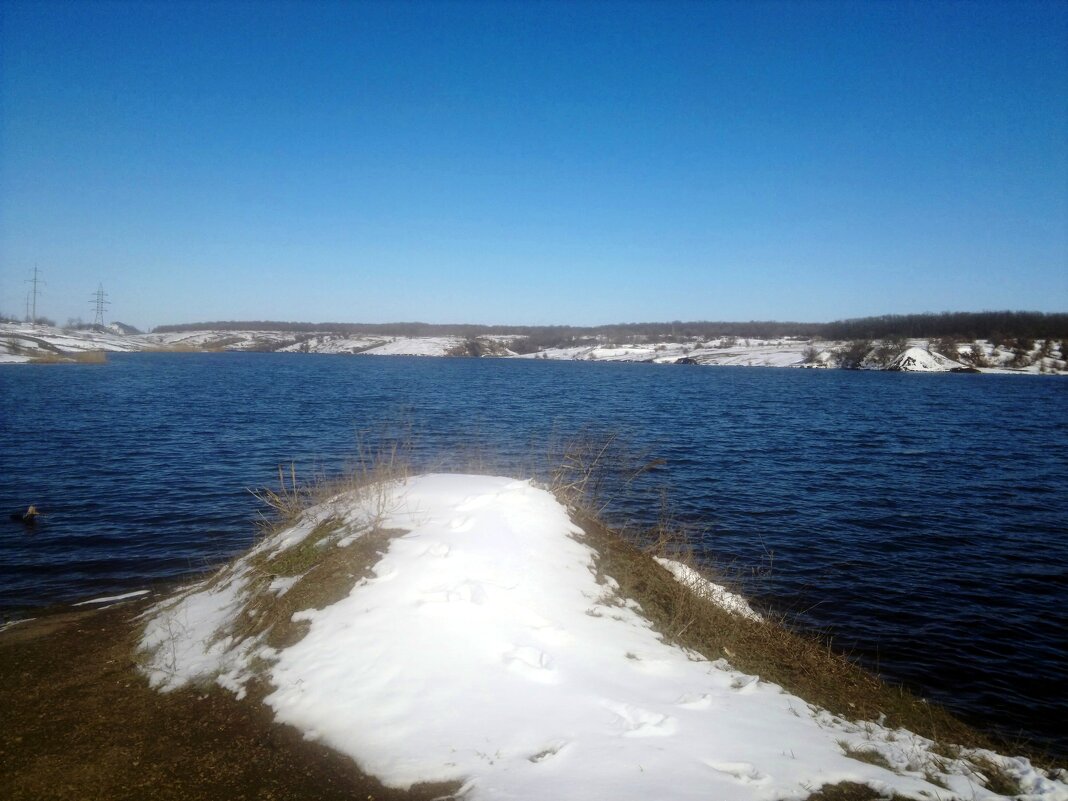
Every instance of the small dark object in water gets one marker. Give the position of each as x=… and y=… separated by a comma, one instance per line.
x=29, y=517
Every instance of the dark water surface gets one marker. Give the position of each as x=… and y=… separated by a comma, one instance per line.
x=921, y=519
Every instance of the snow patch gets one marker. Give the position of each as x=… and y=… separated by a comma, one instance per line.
x=112, y=598
x=701, y=586
x=483, y=650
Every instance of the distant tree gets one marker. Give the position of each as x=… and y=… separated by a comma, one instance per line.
x=888, y=350
x=852, y=355
x=1021, y=354
x=977, y=356
x=948, y=346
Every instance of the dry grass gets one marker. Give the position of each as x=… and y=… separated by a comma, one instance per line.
x=323, y=572
x=847, y=791
x=380, y=466
x=867, y=755
x=81, y=357
x=303, y=556
x=995, y=778
x=327, y=579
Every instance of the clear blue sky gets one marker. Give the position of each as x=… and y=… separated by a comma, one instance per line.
x=533, y=162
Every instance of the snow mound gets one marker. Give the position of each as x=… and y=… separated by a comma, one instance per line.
x=482, y=649
x=920, y=360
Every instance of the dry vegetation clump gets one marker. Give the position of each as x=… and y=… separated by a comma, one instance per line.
x=995, y=778
x=317, y=571
x=847, y=791
x=322, y=538
x=329, y=575
x=867, y=755
x=81, y=357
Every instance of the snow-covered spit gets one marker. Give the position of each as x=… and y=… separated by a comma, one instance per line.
x=482, y=649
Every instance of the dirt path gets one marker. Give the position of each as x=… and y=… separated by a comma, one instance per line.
x=77, y=721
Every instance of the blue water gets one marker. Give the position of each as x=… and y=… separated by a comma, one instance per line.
x=920, y=520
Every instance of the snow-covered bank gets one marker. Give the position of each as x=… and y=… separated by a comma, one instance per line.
x=481, y=647
x=363, y=344
x=22, y=342
x=916, y=355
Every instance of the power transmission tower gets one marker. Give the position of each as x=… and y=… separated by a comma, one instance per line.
x=35, y=281
x=99, y=303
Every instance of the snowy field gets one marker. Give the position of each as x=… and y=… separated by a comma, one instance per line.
x=21, y=342
x=482, y=649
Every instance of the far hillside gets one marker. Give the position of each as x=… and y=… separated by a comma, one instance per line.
x=997, y=327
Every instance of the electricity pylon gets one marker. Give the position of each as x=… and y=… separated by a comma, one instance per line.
x=99, y=303
x=35, y=281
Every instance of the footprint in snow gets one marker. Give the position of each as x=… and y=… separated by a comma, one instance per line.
x=638, y=722
x=385, y=570
x=466, y=591
x=461, y=524
x=741, y=772
x=547, y=753
x=745, y=684
x=475, y=502
x=530, y=663
x=697, y=701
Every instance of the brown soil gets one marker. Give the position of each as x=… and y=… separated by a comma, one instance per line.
x=80, y=722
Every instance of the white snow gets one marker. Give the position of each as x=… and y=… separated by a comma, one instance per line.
x=921, y=360
x=221, y=340
x=10, y=623
x=416, y=346
x=482, y=649
x=334, y=343
x=111, y=598
x=716, y=593
x=748, y=353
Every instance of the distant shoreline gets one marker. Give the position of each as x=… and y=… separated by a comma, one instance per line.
x=26, y=344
